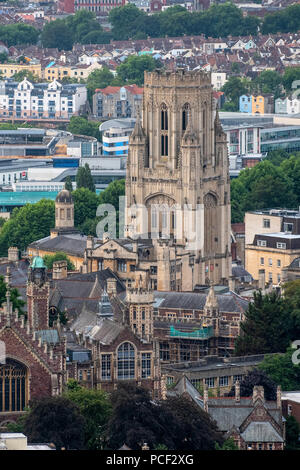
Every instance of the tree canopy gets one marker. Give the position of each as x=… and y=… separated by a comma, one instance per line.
x=175, y=423
x=27, y=224
x=281, y=369
x=256, y=377
x=133, y=68
x=18, y=34
x=266, y=185
x=95, y=407
x=80, y=125
x=59, y=256
x=15, y=298
x=84, y=178
x=57, y=420
x=269, y=326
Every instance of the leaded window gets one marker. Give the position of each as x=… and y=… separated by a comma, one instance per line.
x=126, y=362
x=13, y=386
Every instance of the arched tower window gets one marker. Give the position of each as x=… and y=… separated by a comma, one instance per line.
x=185, y=116
x=164, y=127
x=126, y=362
x=211, y=241
x=13, y=386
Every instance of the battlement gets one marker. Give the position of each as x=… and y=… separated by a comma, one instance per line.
x=178, y=78
x=139, y=296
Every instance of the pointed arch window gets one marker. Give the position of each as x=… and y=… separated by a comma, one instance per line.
x=13, y=386
x=164, y=127
x=126, y=362
x=185, y=116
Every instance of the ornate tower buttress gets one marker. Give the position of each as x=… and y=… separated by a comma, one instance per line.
x=38, y=290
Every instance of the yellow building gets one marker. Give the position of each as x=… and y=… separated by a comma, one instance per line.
x=8, y=70
x=59, y=71
x=258, y=104
x=272, y=242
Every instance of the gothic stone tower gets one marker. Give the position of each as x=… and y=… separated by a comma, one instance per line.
x=38, y=291
x=177, y=156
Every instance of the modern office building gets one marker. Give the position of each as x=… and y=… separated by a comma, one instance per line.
x=115, y=136
x=285, y=138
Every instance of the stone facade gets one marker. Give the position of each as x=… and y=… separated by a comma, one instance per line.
x=177, y=156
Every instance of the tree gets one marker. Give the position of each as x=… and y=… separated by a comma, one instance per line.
x=95, y=407
x=233, y=89
x=269, y=81
x=267, y=328
x=19, y=76
x=68, y=184
x=57, y=34
x=86, y=29
x=281, y=369
x=292, y=433
x=253, y=378
x=133, y=68
x=229, y=444
x=99, y=78
x=84, y=178
x=18, y=34
x=27, y=224
x=15, y=298
x=58, y=256
x=57, y=420
x=291, y=74
x=81, y=126
x=111, y=195
x=3, y=57
x=85, y=205
x=125, y=21
x=176, y=423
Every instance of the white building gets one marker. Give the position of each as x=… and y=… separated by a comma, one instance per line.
x=41, y=100
x=218, y=80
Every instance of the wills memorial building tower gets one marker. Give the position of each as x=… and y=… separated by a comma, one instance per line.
x=178, y=157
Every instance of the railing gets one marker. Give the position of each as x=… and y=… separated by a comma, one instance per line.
x=202, y=333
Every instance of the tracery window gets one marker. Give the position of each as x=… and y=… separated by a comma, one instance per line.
x=13, y=386
x=185, y=116
x=164, y=126
x=126, y=362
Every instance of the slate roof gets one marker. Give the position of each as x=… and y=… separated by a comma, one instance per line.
x=261, y=432
x=48, y=336
x=229, y=302
x=73, y=244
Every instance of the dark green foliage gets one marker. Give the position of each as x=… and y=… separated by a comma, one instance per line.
x=292, y=433
x=17, y=302
x=218, y=21
x=56, y=34
x=286, y=20
x=233, y=89
x=280, y=368
x=57, y=420
x=85, y=205
x=95, y=407
x=81, y=126
x=3, y=57
x=18, y=34
x=229, y=444
x=268, y=326
x=267, y=185
x=68, y=184
x=27, y=224
x=176, y=423
x=256, y=377
x=59, y=256
x=133, y=68
x=80, y=28
x=19, y=76
x=84, y=178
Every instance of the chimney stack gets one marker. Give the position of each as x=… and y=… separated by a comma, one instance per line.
x=278, y=395
x=60, y=270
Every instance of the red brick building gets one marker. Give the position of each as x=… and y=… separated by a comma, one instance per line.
x=35, y=355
